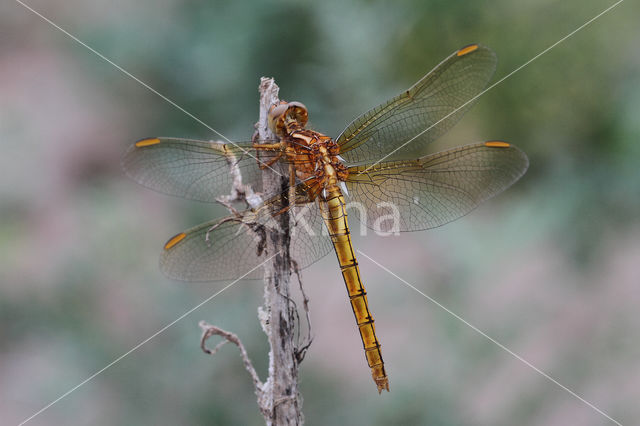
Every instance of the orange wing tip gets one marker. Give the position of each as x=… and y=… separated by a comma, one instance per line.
x=497, y=144
x=174, y=240
x=147, y=142
x=467, y=49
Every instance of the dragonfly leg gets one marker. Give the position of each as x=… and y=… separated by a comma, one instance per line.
x=292, y=184
x=283, y=210
x=270, y=162
x=269, y=147
x=292, y=181
x=237, y=217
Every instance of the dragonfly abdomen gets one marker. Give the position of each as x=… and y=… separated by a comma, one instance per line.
x=334, y=213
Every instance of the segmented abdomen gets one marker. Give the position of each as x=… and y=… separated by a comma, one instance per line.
x=335, y=217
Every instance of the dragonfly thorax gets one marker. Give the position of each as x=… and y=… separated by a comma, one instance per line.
x=315, y=156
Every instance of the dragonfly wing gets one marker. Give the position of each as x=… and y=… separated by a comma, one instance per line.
x=197, y=170
x=435, y=189
x=400, y=127
x=223, y=249
x=233, y=248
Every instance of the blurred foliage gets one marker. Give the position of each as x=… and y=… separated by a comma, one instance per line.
x=547, y=268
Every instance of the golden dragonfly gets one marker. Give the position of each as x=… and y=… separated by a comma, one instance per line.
x=377, y=161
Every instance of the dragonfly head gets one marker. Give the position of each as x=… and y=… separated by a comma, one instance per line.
x=286, y=117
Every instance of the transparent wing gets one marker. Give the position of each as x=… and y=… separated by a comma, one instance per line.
x=193, y=169
x=435, y=189
x=422, y=113
x=233, y=248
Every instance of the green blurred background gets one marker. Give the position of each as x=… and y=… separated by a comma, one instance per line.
x=550, y=268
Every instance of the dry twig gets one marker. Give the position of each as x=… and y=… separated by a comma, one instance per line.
x=278, y=397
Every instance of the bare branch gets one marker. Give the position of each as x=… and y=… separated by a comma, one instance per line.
x=277, y=316
x=278, y=397
x=239, y=191
x=209, y=330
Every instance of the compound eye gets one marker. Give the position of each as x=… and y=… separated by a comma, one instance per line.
x=277, y=110
x=275, y=118
x=286, y=116
x=298, y=112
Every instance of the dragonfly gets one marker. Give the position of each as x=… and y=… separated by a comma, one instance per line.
x=377, y=162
